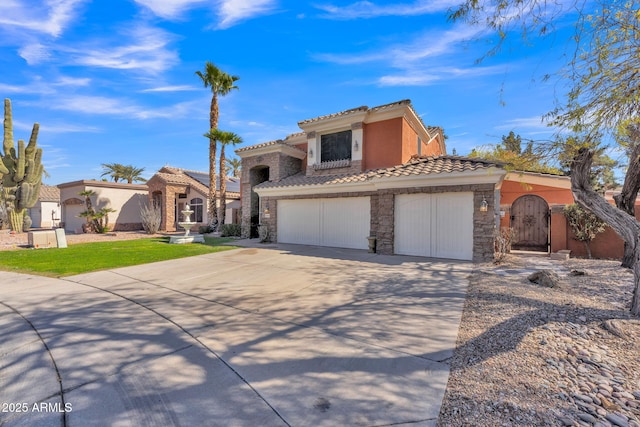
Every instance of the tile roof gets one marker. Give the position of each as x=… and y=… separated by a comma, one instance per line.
x=200, y=180
x=271, y=143
x=417, y=165
x=330, y=116
x=49, y=193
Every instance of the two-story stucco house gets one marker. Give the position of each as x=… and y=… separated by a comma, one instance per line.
x=371, y=172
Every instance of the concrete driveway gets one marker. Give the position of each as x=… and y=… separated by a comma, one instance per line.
x=271, y=336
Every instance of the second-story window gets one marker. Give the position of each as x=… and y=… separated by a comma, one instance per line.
x=335, y=146
x=196, y=207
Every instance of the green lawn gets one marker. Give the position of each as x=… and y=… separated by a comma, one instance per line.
x=87, y=257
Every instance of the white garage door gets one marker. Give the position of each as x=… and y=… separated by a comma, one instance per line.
x=340, y=222
x=434, y=225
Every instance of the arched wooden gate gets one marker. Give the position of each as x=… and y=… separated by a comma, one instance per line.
x=530, y=220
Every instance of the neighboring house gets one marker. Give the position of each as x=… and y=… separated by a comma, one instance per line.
x=46, y=213
x=371, y=172
x=126, y=199
x=172, y=188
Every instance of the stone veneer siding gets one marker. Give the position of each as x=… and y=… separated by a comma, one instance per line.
x=382, y=215
x=168, y=202
x=280, y=166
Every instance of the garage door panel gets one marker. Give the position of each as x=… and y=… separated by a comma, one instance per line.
x=454, y=225
x=338, y=222
x=412, y=223
x=299, y=222
x=436, y=225
x=346, y=222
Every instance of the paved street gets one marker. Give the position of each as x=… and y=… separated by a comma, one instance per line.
x=270, y=336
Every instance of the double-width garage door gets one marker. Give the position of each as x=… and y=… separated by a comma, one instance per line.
x=339, y=222
x=436, y=225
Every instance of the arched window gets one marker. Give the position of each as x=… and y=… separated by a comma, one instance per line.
x=196, y=206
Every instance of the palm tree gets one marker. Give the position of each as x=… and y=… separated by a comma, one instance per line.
x=234, y=165
x=221, y=84
x=114, y=170
x=118, y=172
x=225, y=138
x=131, y=173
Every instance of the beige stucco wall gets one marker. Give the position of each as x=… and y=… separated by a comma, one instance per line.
x=41, y=214
x=126, y=199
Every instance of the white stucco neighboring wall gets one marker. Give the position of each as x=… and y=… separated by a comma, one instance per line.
x=45, y=214
x=125, y=199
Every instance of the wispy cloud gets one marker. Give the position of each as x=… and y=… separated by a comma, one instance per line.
x=146, y=48
x=535, y=122
x=96, y=105
x=232, y=12
x=170, y=9
x=367, y=9
x=68, y=128
x=430, y=57
x=425, y=78
x=428, y=45
x=177, y=88
x=34, y=53
x=48, y=16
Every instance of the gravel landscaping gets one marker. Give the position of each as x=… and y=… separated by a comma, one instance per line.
x=529, y=355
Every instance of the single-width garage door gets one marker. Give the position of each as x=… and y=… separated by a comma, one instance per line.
x=434, y=225
x=339, y=222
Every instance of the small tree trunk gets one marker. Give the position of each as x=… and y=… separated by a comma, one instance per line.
x=223, y=188
x=588, y=248
x=627, y=258
x=627, y=227
x=635, y=299
x=626, y=200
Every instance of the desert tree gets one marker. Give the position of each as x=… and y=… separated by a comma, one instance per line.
x=603, y=91
x=585, y=225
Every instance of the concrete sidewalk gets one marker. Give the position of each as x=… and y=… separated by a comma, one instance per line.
x=288, y=335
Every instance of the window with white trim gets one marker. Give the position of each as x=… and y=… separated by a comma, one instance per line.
x=335, y=146
x=197, y=208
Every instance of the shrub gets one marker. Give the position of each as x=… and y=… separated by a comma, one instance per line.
x=204, y=229
x=503, y=240
x=151, y=216
x=585, y=225
x=231, y=230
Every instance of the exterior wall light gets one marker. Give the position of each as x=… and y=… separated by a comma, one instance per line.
x=311, y=152
x=484, y=206
x=355, y=146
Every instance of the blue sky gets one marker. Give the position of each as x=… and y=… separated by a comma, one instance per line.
x=114, y=81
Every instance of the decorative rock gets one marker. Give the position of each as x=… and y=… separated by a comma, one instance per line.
x=617, y=420
x=546, y=278
x=588, y=418
x=608, y=405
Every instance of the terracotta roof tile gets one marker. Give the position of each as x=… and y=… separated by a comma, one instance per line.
x=330, y=116
x=415, y=166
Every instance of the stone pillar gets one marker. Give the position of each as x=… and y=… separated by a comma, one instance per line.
x=385, y=232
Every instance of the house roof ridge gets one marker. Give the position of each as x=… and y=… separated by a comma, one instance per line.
x=268, y=144
x=332, y=115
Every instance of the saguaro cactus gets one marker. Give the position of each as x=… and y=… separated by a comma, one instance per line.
x=21, y=172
